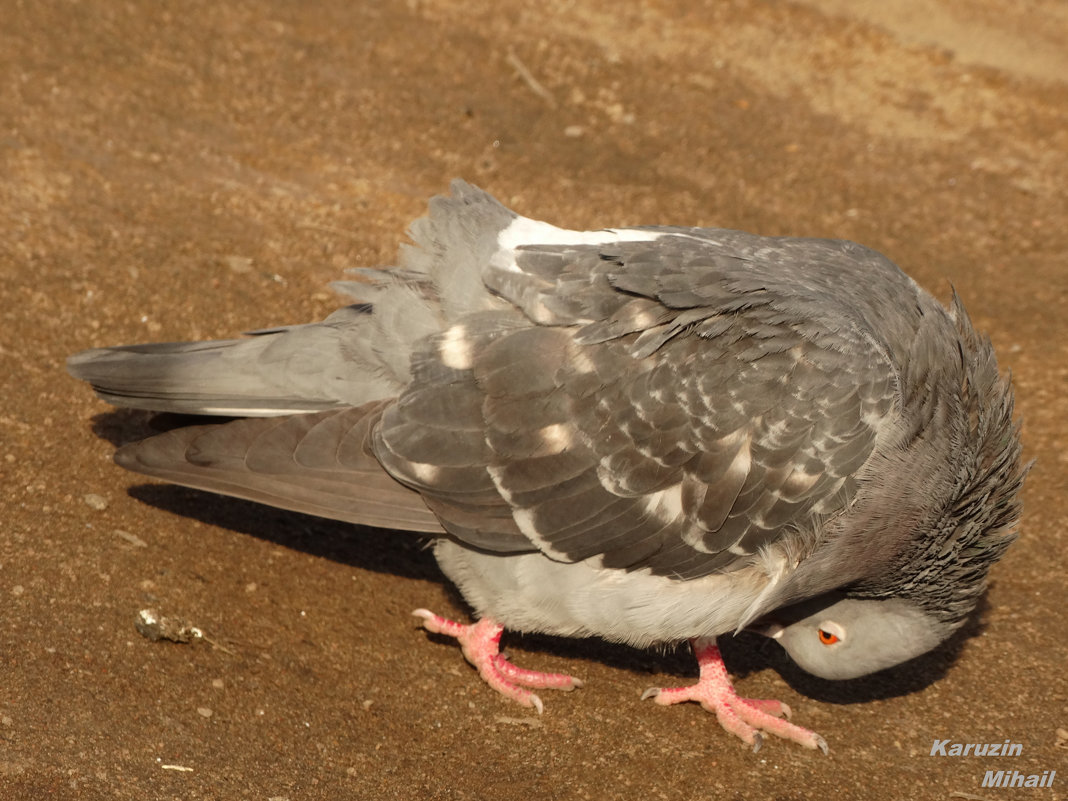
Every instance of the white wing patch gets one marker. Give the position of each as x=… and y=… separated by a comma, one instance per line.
x=524, y=519
x=455, y=348
x=556, y=438
x=665, y=505
x=426, y=473
x=524, y=231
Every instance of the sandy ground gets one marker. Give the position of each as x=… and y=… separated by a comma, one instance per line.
x=196, y=169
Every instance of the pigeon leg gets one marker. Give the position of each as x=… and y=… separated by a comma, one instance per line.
x=743, y=717
x=481, y=647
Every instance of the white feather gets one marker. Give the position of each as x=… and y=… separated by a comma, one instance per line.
x=528, y=592
x=524, y=231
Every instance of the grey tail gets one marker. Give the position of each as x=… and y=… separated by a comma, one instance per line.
x=305, y=368
x=360, y=353
x=319, y=464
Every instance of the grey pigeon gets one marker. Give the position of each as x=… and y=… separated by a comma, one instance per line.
x=648, y=435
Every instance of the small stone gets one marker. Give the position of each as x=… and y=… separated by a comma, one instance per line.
x=217, y=684
x=204, y=712
x=94, y=501
x=152, y=626
x=133, y=539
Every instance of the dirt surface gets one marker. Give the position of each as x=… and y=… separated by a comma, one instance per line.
x=197, y=169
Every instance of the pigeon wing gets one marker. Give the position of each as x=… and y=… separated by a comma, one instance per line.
x=675, y=405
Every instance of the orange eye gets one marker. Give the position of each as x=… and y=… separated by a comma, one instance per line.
x=827, y=638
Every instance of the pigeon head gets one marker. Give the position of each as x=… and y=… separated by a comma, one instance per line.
x=844, y=638
x=949, y=519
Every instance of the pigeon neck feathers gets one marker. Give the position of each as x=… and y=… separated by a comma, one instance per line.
x=967, y=507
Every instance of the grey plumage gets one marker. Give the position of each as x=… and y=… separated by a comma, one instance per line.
x=644, y=434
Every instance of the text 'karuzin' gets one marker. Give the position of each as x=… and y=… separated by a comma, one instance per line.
x=950, y=748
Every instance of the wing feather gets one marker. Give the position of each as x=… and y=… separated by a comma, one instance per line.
x=675, y=406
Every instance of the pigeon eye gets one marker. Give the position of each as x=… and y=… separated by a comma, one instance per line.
x=827, y=638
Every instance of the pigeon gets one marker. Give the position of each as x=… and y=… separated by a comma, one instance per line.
x=652, y=435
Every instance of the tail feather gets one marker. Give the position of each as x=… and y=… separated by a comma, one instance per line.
x=306, y=368
x=359, y=354
x=319, y=464
x=453, y=243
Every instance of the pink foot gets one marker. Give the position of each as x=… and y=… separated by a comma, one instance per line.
x=481, y=646
x=743, y=717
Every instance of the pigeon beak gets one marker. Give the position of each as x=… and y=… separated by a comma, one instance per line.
x=772, y=630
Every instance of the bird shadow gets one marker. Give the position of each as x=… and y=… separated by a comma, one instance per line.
x=399, y=553
x=406, y=555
